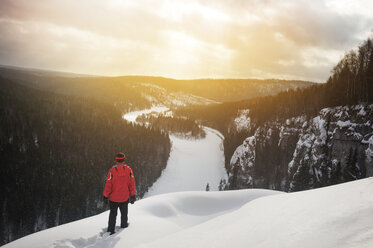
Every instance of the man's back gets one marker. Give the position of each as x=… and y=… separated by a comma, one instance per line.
x=120, y=183
x=120, y=189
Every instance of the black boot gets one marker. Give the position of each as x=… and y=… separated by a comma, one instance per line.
x=124, y=225
x=123, y=207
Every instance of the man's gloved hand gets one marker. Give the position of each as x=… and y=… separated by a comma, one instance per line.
x=106, y=200
x=132, y=199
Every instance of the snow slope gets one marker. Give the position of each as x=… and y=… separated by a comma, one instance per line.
x=337, y=216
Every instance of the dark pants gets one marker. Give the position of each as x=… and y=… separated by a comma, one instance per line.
x=123, y=207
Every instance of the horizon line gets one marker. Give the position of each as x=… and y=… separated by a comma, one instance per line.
x=15, y=67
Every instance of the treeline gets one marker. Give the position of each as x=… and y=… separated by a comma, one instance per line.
x=351, y=83
x=178, y=126
x=55, y=153
x=138, y=92
x=222, y=90
x=126, y=96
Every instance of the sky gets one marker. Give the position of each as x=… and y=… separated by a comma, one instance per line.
x=184, y=39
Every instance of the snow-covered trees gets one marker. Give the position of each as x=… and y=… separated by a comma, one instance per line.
x=302, y=178
x=352, y=169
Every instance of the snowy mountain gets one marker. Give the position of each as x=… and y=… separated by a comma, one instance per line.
x=336, y=216
x=305, y=151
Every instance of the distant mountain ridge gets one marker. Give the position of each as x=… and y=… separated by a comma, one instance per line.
x=218, y=90
x=45, y=72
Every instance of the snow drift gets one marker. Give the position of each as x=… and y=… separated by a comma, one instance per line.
x=336, y=216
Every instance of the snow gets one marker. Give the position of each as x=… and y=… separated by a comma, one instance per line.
x=290, y=220
x=131, y=116
x=149, y=97
x=343, y=124
x=320, y=124
x=362, y=111
x=369, y=150
x=242, y=121
x=192, y=163
x=245, y=153
x=162, y=96
x=337, y=216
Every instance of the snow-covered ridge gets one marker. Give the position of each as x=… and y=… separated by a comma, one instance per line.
x=339, y=216
x=157, y=95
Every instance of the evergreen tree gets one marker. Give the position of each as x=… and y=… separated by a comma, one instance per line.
x=352, y=171
x=222, y=184
x=234, y=183
x=370, y=78
x=302, y=178
x=335, y=177
x=55, y=152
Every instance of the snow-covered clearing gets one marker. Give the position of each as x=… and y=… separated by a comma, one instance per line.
x=131, y=116
x=337, y=216
x=192, y=163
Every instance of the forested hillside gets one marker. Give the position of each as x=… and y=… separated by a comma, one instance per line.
x=142, y=91
x=181, y=127
x=58, y=132
x=351, y=83
x=55, y=153
x=223, y=90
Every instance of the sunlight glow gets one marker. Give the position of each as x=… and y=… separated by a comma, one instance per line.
x=178, y=10
x=184, y=38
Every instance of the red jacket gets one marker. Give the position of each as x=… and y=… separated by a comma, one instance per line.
x=120, y=183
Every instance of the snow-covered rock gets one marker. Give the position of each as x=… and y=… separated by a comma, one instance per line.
x=335, y=146
x=242, y=161
x=242, y=121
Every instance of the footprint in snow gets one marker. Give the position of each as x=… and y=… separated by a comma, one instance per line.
x=101, y=240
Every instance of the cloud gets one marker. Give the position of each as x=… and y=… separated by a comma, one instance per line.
x=183, y=39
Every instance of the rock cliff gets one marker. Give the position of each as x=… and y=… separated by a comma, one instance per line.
x=305, y=152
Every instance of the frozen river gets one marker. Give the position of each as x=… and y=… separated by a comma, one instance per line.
x=192, y=163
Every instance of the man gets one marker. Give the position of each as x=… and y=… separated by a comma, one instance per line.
x=119, y=189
